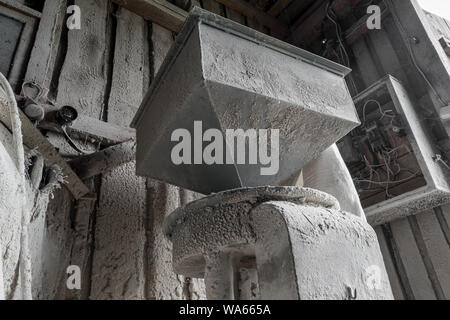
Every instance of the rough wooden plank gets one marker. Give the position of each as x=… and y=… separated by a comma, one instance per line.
x=278, y=6
x=88, y=127
x=438, y=249
x=171, y=17
x=163, y=283
x=213, y=6
x=45, y=48
x=255, y=24
x=84, y=75
x=426, y=258
x=22, y=47
x=81, y=219
x=162, y=40
x=17, y=6
x=398, y=262
x=183, y=4
x=161, y=200
x=359, y=28
x=293, y=10
x=443, y=215
x=51, y=240
x=394, y=279
x=410, y=255
x=385, y=49
x=277, y=28
x=109, y=131
x=104, y=161
x=306, y=29
x=161, y=12
x=118, y=268
x=364, y=61
x=309, y=26
x=235, y=16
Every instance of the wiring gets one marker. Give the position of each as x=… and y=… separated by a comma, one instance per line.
x=389, y=182
x=71, y=142
x=383, y=113
x=342, y=54
x=381, y=168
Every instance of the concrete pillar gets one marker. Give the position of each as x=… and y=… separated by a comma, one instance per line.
x=219, y=276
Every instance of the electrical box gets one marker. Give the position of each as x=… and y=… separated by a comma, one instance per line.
x=392, y=157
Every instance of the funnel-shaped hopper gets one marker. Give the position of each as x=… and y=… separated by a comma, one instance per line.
x=221, y=75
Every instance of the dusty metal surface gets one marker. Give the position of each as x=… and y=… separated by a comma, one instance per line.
x=410, y=198
x=230, y=77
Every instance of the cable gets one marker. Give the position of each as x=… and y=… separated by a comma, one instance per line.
x=71, y=142
x=383, y=113
x=344, y=57
x=390, y=182
x=438, y=158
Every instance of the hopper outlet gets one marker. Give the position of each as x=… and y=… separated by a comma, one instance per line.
x=231, y=107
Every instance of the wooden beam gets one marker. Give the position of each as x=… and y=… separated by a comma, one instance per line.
x=293, y=10
x=102, y=130
x=24, y=44
x=308, y=26
x=358, y=29
x=245, y=8
x=171, y=17
x=213, y=6
x=103, y=161
x=161, y=12
x=33, y=139
x=17, y=6
x=46, y=45
x=278, y=6
x=108, y=133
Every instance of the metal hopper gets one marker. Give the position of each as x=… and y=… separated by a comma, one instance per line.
x=231, y=77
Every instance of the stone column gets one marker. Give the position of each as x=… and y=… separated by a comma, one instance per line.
x=305, y=247
x=219, y=276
